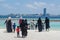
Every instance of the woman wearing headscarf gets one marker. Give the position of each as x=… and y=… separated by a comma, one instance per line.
x=22, y=25
x=9, y=25
x=39, y=22
x=20, y=21
x=26, y=26
x=47, y=23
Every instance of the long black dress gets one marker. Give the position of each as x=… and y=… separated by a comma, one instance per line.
x=39, y=25
x=47, y=23
x=25, y=22
x=9, y=26
x=22, y=25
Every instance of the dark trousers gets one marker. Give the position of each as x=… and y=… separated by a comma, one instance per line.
x=17, y=34
x=25, y=32
x=39, y=28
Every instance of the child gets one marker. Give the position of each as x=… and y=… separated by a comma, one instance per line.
x=17, y=30
x=14, y=26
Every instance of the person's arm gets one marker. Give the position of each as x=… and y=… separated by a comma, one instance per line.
x=5, y=21
x=45, y=22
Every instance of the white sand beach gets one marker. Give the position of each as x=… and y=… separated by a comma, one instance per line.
x=32, y=35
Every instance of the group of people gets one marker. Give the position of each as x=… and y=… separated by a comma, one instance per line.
x=12, y=27
x=40, y=24
x=23, y=26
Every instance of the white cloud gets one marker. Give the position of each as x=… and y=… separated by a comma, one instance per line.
x=42, y=3
x=2, y=0
x=51, y=7
x=36, y=4
x=7, y=6
x=17, y=3
x=10, y=8
x=59, y=6
x=31, y=6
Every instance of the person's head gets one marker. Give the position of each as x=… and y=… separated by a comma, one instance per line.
x=46, y=17
x=39, y=18
x=17, y=26
x=33, y=20
x=25, y=19
x=14, y=23
x=9, y=18
x=22, y=20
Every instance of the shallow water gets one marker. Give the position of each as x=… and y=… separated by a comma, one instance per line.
x=53, y=25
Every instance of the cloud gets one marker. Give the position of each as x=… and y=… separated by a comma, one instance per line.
x=31, y=6
x=17, y=3
x=7, y=6
x=40, y=5
x=2, y=0
x=51, y=7
x=36, y=4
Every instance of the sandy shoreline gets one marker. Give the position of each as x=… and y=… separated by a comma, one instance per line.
x=32, y=35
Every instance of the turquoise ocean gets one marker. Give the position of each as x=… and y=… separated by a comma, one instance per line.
x=54, y=25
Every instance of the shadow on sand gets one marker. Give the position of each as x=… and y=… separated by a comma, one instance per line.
x=18, y=37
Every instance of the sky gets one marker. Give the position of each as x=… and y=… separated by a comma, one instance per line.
x=29, y=7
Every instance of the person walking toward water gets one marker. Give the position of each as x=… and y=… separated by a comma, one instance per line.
x=39, y=22
x=47, y=23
